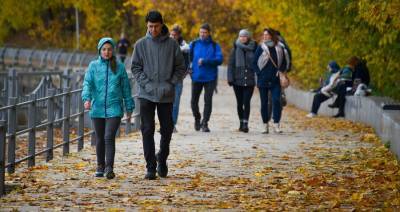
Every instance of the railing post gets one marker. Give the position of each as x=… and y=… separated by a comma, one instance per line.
x=12, y=83
x=50, y=126
x=32, y=130
x=3, y=130
x=65, y=125
x=66, y=78
x=81, y=126
x=12, y=128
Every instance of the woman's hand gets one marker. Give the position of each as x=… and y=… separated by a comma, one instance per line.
x=87, y=105
x=128, y=117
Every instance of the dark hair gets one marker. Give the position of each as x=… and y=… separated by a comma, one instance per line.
x=154, y=16
x=353, y=61
x=206, y=26
x=176, y=28
x=273, y=34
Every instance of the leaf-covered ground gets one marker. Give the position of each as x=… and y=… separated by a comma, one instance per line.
x=316, y=164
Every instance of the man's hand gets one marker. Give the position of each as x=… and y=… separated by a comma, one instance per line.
x=200, y=62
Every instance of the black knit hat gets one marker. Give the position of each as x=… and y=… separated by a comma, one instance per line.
x=206, y=26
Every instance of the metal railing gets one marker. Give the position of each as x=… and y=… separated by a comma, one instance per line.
x=9, y=131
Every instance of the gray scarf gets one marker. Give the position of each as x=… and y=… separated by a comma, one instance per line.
x=241, y=48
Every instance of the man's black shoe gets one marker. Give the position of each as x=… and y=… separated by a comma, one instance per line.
x=333, y=105
x=162, y=167
x=197, y=125
x=205, y=128
x=150, y=176
x=339, y=115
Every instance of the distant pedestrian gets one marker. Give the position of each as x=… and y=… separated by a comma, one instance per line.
x=176, y=34
x=242, y=76
x=270, y=59
x=123, y=45
x=205, y=57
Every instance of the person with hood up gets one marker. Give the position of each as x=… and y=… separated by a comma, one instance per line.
x=325, y=92
x=106, y=90
x=157, y=66
x=241, y=75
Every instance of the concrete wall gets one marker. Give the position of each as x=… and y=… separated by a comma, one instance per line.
x=366, y=110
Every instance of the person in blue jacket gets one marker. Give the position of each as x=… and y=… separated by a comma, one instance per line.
x=106, y=90
x=205, y=57
x=270, y=58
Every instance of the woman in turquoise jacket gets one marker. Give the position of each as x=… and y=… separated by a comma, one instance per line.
x=106, y=90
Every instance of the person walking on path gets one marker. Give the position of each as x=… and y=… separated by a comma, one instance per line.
x=205, y=57
x=270, y=58
x=106, y=89
x=176, y=34
x=157, y=66
x=123, y=45
x=241, y=75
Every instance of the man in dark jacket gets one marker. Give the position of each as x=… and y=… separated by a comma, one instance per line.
x=205, y=56
x=157, y=66
x=123, y=45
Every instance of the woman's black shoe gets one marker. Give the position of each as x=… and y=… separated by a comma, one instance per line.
x=241, y=126
x=110, y=175
x=245, y=127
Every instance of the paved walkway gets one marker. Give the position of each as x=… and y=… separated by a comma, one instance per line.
x=316, y=164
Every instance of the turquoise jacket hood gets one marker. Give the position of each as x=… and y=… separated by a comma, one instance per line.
x=103, y=41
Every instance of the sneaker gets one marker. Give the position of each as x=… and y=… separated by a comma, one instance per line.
x=150, y=175
x=99, y=171
x=266, y=131
x=311, y=115
x=277, y=128
x=162, y=167
x=197, y=124
x=204, y=127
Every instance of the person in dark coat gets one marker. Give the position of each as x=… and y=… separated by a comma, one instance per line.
x=270, y=58
x=242, y=76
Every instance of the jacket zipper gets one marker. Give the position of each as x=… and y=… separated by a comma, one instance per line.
x=105, y=99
